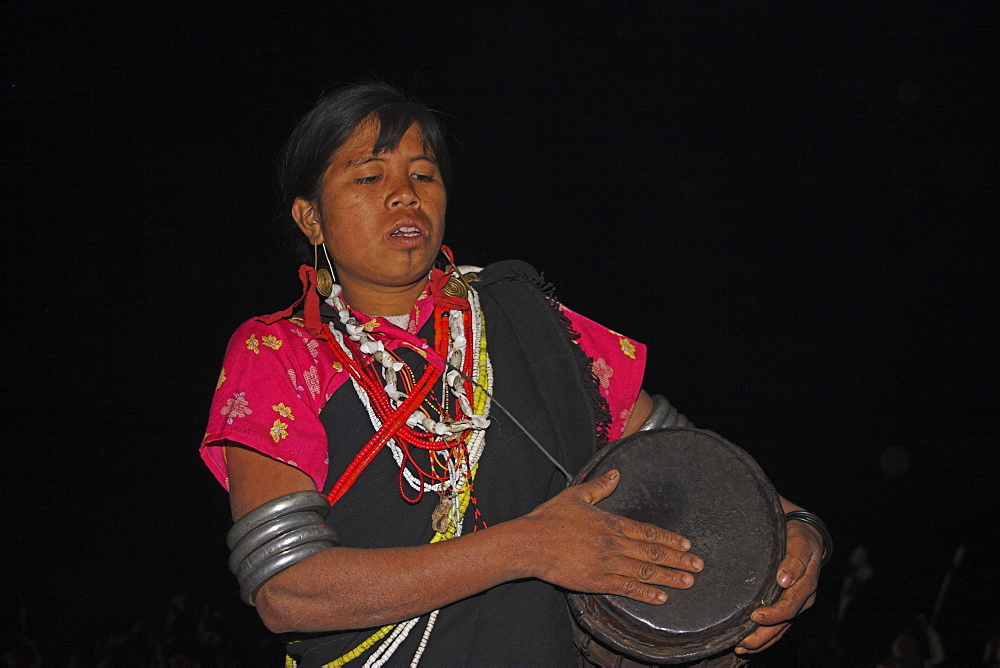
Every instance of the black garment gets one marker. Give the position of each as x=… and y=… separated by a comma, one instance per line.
x=543, y=378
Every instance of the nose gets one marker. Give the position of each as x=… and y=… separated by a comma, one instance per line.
x=403, y=194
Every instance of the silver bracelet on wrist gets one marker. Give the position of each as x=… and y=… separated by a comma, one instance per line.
x=816, y=523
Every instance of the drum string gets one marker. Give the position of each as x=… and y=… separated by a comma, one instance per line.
x=562, y=469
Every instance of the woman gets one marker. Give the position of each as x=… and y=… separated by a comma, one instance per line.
x=450, y=536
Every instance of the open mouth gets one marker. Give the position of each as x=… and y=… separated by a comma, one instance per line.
x=406, y=232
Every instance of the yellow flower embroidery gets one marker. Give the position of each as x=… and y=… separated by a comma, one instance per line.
x=284, y=411
x=627, y=347
x=370, y=325
x=338, y=367
x=222, y=378
x=271, y=341
x=279, y=430
x=252, y=344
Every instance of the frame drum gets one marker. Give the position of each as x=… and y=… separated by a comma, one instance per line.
x=695, y=483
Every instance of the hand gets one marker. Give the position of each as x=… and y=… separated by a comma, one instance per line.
x=579, y=547
x=798, y=575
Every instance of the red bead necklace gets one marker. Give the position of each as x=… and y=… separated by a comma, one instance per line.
x=394, y=420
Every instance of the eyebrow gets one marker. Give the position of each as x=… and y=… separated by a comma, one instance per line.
x=365, y=159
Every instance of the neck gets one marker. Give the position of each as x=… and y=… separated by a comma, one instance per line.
x=382, y=300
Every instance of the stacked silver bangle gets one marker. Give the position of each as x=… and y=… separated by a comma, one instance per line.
x=816, y=523
x=664, y=415
x=275, y=536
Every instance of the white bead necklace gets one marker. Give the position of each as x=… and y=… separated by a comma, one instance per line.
x=459, y=473
x=458, y=349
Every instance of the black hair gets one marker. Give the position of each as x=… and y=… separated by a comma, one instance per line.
x=317, y=136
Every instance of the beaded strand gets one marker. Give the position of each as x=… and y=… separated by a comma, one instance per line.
x=452, y=531
x=454, y=446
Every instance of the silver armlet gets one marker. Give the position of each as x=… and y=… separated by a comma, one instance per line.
x=664, y=415
x=276, y=535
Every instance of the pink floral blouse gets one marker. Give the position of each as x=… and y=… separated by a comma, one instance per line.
x=276, y=379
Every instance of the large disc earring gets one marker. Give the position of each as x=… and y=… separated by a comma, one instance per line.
x=324, y=277
x=326, y=282
x=456, y=285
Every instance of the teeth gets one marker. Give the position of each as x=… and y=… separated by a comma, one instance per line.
x=407, y=231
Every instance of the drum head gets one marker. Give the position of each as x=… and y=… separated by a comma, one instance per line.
x=697, y=484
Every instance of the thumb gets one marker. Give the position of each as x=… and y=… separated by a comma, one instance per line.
x=599, y=488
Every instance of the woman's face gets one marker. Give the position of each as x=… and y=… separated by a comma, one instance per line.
x=381, y=216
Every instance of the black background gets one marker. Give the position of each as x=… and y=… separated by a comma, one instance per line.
x=794, y=205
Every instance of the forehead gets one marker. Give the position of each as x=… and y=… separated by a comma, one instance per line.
x=362, y=142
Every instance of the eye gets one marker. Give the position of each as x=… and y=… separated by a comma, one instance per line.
x=426, y=178
x=367, y=180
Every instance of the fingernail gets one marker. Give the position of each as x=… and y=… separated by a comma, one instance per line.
x=740, y=650
x=758, y=617
x=661, y=597
x=784, y=579
x=611, y=475
x=697, y=564
x=688, y=579
x=685, y=544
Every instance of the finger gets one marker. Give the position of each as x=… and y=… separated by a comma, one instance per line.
x=646, y=543
x=799, y=594
x=650, y=573
x=599, y=488
x=791, y=569
x=634, y=589
x=650, y=533
x=761, y=639
x=800, y=551
x=788, y=606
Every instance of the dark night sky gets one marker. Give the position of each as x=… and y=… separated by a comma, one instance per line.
x=791, y=206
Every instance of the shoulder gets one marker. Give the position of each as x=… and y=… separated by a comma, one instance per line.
x=513, y=276
x=261, y=326
x=285, y=342
x=506, y=270
x=257, y=327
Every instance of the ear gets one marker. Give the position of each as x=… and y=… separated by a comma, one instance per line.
x=305, y=217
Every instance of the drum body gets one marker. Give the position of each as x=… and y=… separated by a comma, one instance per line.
x=695, y=483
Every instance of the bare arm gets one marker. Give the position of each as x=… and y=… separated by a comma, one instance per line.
x=640, y=412
x=565, y=541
